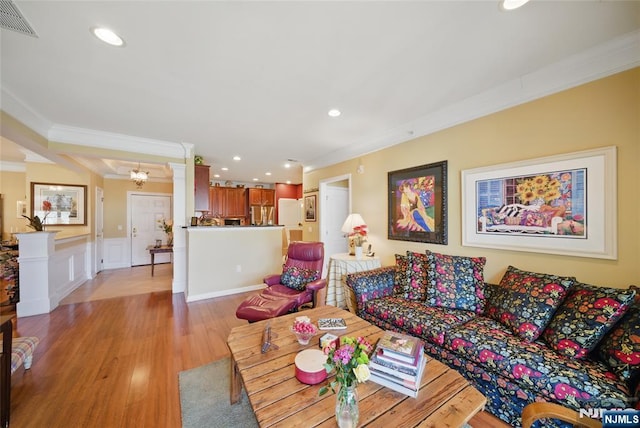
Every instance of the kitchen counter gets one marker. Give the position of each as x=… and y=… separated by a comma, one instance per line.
x=225, y=260
x=233, y=226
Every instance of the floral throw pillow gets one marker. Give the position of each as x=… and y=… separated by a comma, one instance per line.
x=456, y=282
x=297, y=278
x=620, y=348
x=525, y=301
x=585, y=317
x=417, y=276
x=401, y=283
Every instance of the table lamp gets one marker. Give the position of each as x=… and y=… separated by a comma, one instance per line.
x=353, y=220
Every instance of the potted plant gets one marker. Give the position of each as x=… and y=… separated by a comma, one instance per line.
x=167, y=227
x=34, y=222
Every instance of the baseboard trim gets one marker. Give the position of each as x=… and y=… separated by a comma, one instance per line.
x=214, y=294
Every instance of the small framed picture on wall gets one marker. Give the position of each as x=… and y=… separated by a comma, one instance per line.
x=310, y=208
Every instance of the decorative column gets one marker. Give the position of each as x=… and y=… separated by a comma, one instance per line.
x=179, y=220
x=35, y=252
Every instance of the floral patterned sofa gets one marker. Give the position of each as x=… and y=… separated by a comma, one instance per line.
x=533, y=337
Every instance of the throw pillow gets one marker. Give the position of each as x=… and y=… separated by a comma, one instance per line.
x=297, y=278
x=620, y=348
x=401, y=283
x=525, y=301
x=417, y=276
x=585, y=317
x=456, y=282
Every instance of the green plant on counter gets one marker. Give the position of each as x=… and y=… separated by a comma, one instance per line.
x=35, y=223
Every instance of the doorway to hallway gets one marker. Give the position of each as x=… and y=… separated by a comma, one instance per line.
x=146, y=212
x=335, y=206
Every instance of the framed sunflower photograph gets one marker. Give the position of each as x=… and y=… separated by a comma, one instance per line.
x=563, y=204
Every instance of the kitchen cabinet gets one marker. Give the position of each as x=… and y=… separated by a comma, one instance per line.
x=217, y=201
x=201, y=188
x=262, y=197
x=227, y=201
x=235, y=203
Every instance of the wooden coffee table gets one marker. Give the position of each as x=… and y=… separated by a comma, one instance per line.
x=279, y=399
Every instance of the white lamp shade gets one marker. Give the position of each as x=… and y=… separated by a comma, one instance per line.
x=353, y=220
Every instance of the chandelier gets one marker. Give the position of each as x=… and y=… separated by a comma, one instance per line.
x=139, y=177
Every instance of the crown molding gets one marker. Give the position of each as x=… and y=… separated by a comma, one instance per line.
x=614, y=56
x=12, y=166
x=113, y=141
x=30, y=156
x=15, y=107
x=18, y=109
x=150, y=179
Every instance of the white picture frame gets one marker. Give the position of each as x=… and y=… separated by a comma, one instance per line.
x=587, y=231
x=21, y=209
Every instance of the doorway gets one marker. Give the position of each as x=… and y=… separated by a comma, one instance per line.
x=146, y=211
x=335, y=206
x=99, y=238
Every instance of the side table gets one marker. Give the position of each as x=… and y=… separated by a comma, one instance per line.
x=157, y=250
x=5, y=366
x=339, y=266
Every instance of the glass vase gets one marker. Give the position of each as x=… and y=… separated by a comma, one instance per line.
x=170, y=239
x=347, y=411
x=359, y=253
x=304, y=338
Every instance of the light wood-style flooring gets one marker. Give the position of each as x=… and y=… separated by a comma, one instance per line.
x=110, y=354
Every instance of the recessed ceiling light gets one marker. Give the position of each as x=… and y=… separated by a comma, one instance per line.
x=512, y=4
x=224, y=168
x=288, y=181
x=216, y=175
x=287, y=165
x=267, y=173
x=236, y=158
x=107, y=36
x=255, y=179
x=334, y=112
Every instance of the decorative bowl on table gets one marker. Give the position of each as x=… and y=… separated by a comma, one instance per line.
x=303, y=329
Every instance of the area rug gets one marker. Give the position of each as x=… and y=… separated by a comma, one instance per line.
x=204, y=399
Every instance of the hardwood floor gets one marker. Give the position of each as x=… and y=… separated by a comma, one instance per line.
x=110, y=355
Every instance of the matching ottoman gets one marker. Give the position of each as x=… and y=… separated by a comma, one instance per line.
x=22, y=349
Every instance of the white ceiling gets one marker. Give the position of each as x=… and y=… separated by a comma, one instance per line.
x=256, y=79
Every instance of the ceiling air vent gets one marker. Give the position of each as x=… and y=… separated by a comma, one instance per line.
x=12, y=19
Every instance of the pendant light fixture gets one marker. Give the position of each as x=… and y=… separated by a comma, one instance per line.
x=139, y=177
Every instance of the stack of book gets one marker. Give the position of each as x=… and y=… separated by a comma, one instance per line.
x=398, y=363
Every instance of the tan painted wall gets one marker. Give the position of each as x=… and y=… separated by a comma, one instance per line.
x=227, y=260
x=13, y=188
x=115, y=203
x=17, y=186
x=50, y=173
x=598, y=114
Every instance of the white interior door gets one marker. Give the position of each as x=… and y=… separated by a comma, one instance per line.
x=99, y=260
x=335, y=203
x=147, y=210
